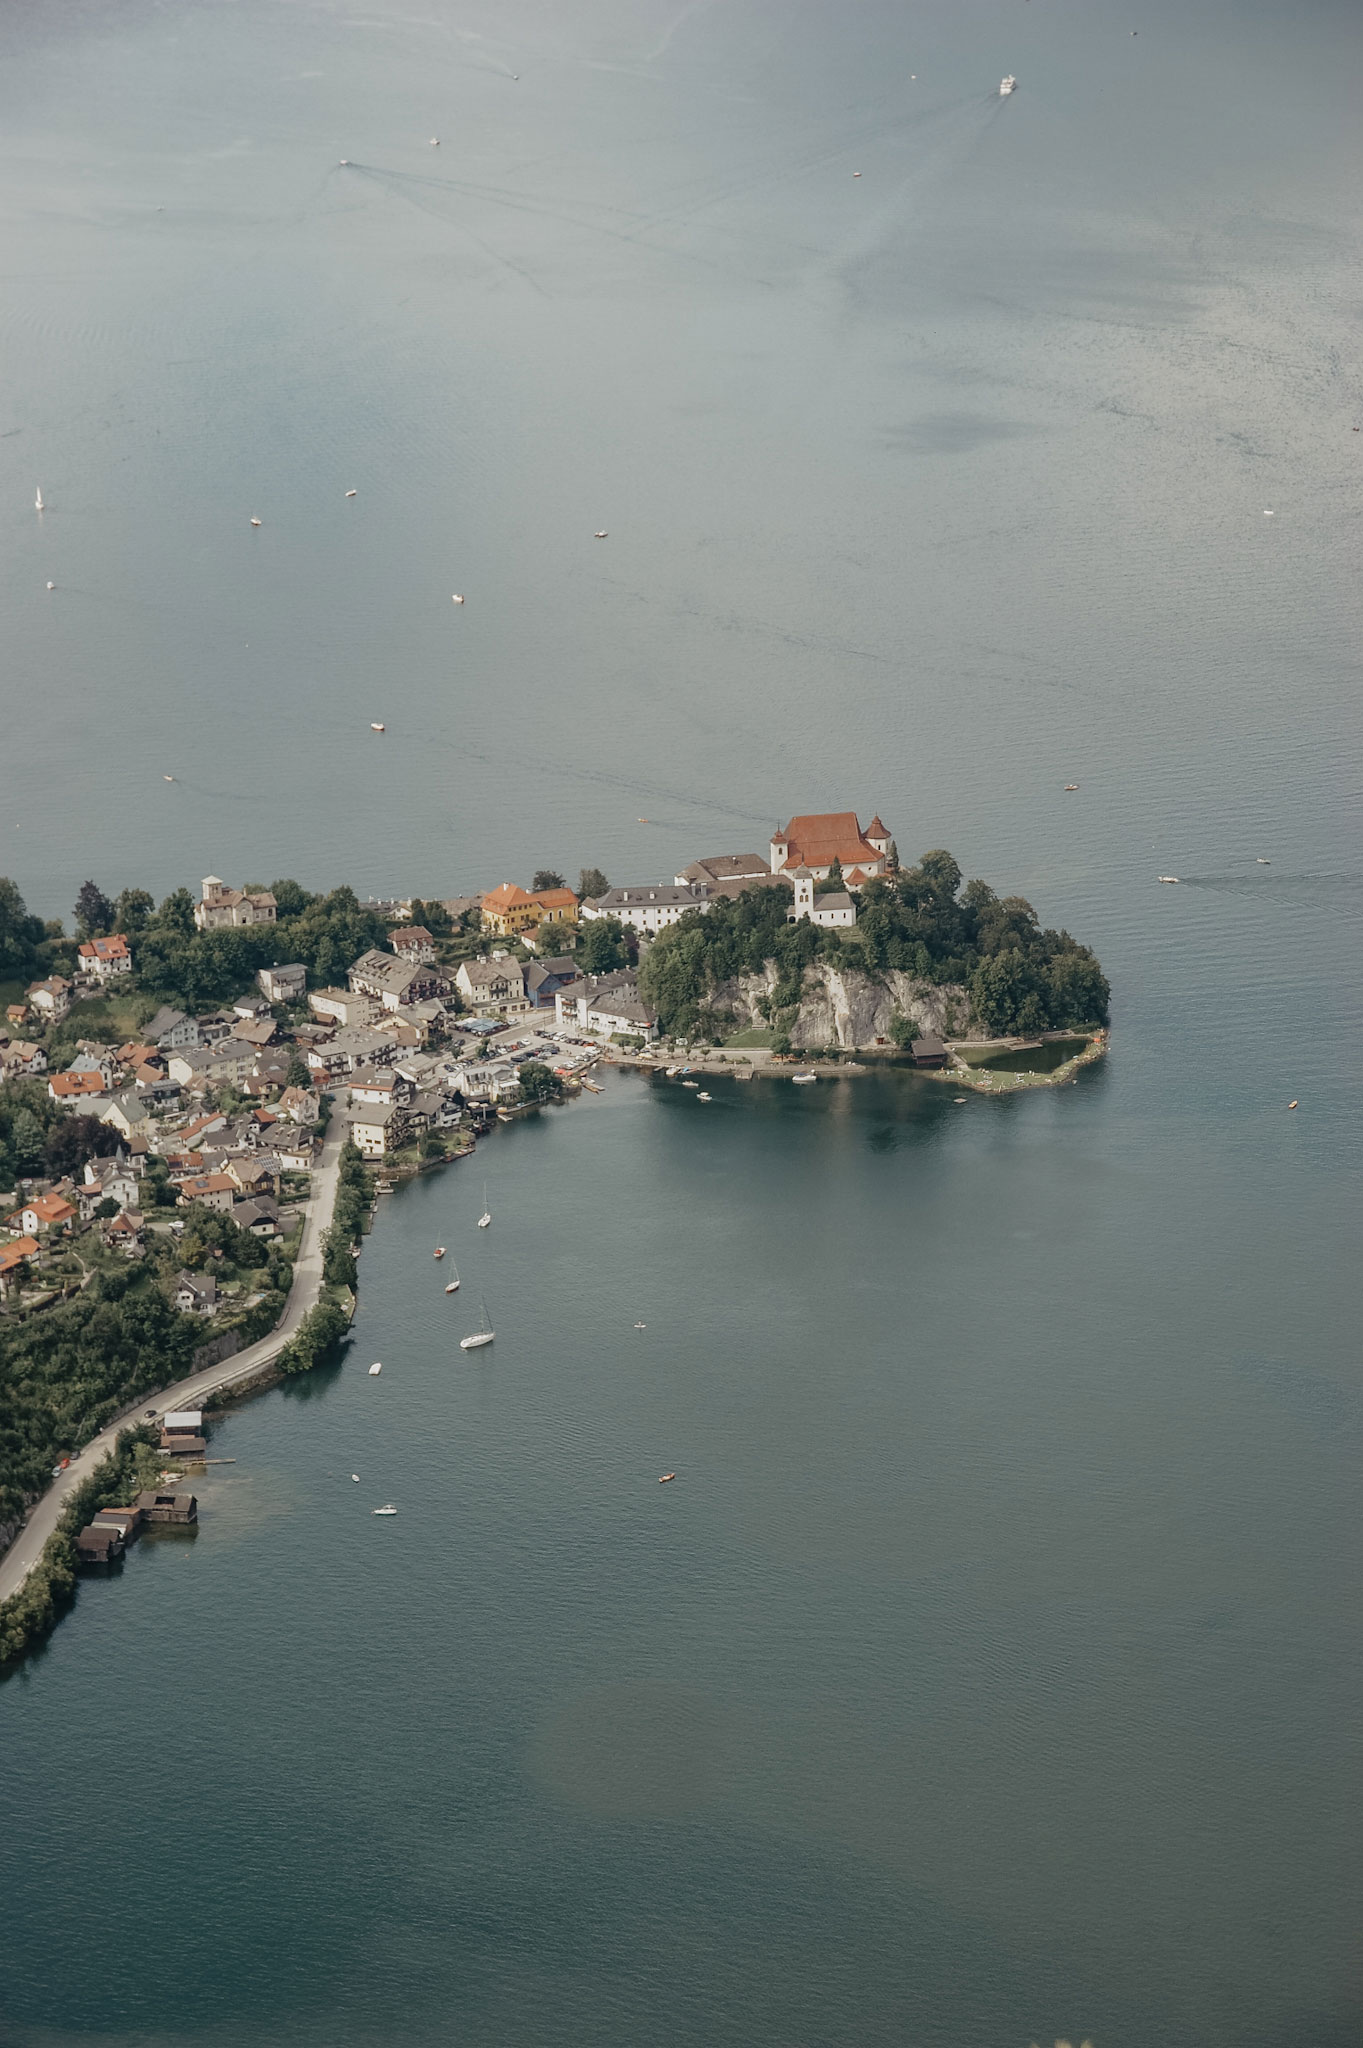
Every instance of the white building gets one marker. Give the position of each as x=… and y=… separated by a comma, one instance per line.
x=834, y=907
x=651, y=906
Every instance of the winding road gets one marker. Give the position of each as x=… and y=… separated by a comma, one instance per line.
x=27, y=1547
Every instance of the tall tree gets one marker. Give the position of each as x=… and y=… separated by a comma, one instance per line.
x=94, y=912
x=547, y=878
x=591, y=882
x=132, y=911
x=176, y=912
x=603, y=945
x=19, y=933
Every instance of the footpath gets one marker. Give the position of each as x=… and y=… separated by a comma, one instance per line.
x=27, y=1547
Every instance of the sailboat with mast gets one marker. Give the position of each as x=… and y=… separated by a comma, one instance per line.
x=452, y=1286
x=486, y=1217
x=484, y=1333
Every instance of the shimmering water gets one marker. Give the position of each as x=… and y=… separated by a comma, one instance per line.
x=989, y=1673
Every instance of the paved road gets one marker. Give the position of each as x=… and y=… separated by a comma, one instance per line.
x=27, y=1546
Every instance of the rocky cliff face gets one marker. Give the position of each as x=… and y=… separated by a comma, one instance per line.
x=850, y=1009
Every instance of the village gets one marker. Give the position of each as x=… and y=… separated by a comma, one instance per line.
x=415, y=1054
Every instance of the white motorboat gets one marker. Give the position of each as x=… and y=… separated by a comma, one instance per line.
x=374, y=726
x=484, y=1334
x=1167, y=878
x=457, y=599
x=703, y=1097
x=1007, y=85
x=803, y=1080
x=389, y=1509
x=256, y=522
x=439, y=1252
x=690, y=1084
x=351, y=494
x=375, y=1369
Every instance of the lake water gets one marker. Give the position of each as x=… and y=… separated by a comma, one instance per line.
x=989, y=1674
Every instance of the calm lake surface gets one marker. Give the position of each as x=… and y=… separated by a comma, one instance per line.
x=990, y=1673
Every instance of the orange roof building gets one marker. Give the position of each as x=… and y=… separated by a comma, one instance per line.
x=816, y=840
x=510, y=909
x=106, y=956
x=44, y=1212
x=67, y=1087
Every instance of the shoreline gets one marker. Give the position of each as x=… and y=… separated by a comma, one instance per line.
x=759, y=1062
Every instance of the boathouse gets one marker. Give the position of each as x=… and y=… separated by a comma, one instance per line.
x=99, y=1544
x=928, y=1052
x=168, y=1507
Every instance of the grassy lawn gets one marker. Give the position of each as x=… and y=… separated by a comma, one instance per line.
x=1041, y=1059
x=756, y=1036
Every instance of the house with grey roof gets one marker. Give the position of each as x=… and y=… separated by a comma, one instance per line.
x=651, y=906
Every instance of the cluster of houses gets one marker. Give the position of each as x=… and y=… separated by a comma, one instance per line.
x=405, y=1048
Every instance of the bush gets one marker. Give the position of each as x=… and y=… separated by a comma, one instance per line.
x=320, y=1329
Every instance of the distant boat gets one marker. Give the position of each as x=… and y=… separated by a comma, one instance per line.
x=457, y=599
x=350, y=494
x=641, y=1326
x=38, y=501
x=345, y=160
x=374, y=726
x=255, y=522
x=703, y=1097
x=1071, y=785
x=375, y=1368
x=1167, y=878
x=664, y=1477
x=356, y=1477
x=439, y=1252
x=1291, y=1105
x=486, y=1217
x=51, y=586
x=435, y=142
x=601, y=534
x=803, y=1080
x=1260, y=862
x=452, y=1286
x=389, y=1510
x=690, y=1084
x=1007, y=85
x=484, y=1334
x=959, y=1098
x=167, y=778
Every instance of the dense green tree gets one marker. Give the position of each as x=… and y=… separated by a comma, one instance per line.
x=591, y=882
x=175, y=913
x=27, y=1141
x=94, y=912
x=299, y=1074
x=433, y=915
x=539, y=1083
x=832, y=880
x=20, y=934
x=547, y=878
x=132, y=912
x=291, y=900
x=603, y=946
x=71, y=1140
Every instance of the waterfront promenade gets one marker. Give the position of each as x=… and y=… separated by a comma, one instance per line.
x=45, y=1513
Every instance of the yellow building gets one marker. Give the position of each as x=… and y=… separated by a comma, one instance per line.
x=509, y=910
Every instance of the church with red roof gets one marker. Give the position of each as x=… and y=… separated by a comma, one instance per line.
x=816, y=841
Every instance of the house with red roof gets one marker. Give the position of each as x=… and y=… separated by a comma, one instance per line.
x=106, y=958
x=72, y=1087
x=44, y=1212
x=815, y=840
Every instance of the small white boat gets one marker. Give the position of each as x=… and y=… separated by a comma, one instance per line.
x=439, y=1252
x=375, y=1368
x=803, y=1080
x=1167, y=878
x=484, y=1334
x=1007, y=85
x=256, y=522
x=51, y=586
x=703, y=1097
x=388, y=1510
x=435, y=142
x=351, y=494
x=167, y=778
x=690, y=1084
x=373, y=727
x=38, y=501
x=641, y=1326
x=457, y=599
x=345, y=161
x=1071, y=785
x=356, y=1477
x=663, y=1477
x=1260, y=862
x=452, y=1286
x=486, y=1217
x=670, y=1071
x=959, y=1098
x=601, y=534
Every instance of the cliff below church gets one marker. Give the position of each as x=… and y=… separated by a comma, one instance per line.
x=851, y=1009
